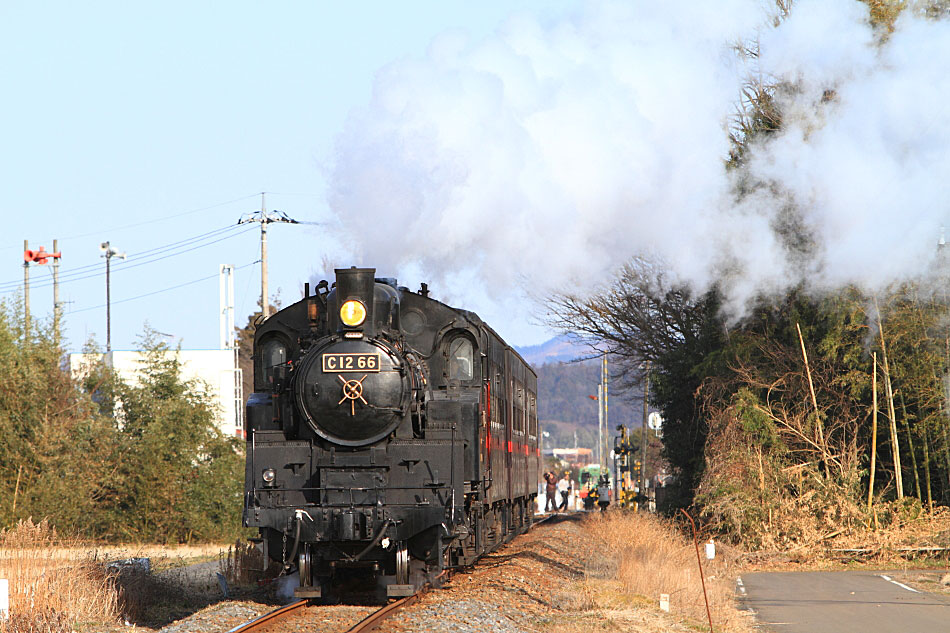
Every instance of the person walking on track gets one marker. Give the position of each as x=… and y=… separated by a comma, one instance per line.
x=550, y=489
x=564, y=489
x=603, y=492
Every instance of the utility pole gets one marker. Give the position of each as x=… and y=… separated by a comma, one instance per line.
x=606, y=425
x=644, y=440
x=27, y=258
x=265, y=217
x=56, y=311
x=108, y=252
x=600, y=424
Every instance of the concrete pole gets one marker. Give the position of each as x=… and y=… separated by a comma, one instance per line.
x=56, y=313
x=643, y=430
x=600, y=424
x=108, y=301
x=606, y=418
x=26, y=292
x=265, y=301
x=222, y=307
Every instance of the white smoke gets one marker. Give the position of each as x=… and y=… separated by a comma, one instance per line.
x=869, y=167
x=552, y=153
x=285, y=586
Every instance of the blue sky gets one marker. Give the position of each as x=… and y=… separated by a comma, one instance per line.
x=147, y=123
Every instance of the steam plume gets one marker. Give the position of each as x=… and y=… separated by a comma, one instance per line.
x=552, y=153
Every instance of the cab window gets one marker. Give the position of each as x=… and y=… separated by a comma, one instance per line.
x=273, y=353
x=461, y=359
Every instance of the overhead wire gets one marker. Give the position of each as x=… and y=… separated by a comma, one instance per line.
x=167, y=217
x=154, y=255
x=72, y=272
x=152, y=221
x=122, y=266
x=155, y=292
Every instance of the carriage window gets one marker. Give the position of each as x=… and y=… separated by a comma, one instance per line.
x=461, y=359
x=273, y=353
x=533, y=418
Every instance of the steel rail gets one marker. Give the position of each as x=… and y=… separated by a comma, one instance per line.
x=375, y=618
x=365, y=625
x=370, y=622
x=267, y=617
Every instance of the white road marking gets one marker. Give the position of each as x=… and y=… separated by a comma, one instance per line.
x=899, y=584
x=740, y=585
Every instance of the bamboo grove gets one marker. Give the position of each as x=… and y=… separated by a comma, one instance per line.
x=809, y=417
x=106, y=460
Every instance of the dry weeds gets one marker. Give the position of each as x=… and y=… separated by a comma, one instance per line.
x=57, y=584
x=244, y=564
x=643, y=556
x=49, y=593
x=166, y=555
x=905, y=535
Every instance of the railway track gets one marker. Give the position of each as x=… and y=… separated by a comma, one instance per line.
x=275, y=620
x=332, y=617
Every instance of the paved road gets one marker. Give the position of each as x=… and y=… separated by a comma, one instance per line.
x=842, y=602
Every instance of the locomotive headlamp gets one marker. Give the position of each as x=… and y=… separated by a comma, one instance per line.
x=269, y=475
x=352, y=313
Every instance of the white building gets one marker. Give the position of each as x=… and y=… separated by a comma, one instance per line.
x=214, y=370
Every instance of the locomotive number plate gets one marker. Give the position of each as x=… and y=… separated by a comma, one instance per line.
x=350, y=362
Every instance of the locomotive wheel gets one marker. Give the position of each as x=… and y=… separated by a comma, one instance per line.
x=402, y=563
x=304, y=566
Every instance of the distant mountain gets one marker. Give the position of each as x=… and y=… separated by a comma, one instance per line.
x=559, y=349
x=565, y=409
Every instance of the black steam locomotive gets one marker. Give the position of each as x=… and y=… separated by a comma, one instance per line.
x=389, y=435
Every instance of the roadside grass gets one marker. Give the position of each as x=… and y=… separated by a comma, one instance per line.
x=163, y=556
x=639, y=557
x=50, y=593
x=905, y=537
x=60, y=585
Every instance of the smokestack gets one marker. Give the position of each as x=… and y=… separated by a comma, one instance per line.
x=359, y=285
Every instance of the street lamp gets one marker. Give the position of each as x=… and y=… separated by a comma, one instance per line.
x=108, y=252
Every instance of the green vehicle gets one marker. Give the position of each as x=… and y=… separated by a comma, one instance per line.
x=588, y=477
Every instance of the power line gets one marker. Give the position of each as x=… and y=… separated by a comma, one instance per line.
x=151, y=259
x=134, y=256
x=153, y=221
x=173, y=246
x=155, y=292
x=223, y=229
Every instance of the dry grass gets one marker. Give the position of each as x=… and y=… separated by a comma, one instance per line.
x=244, y=564
x=905, y=535
x=49, y=593
x=57, y=584
x=643, y=557
x=161, y=555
